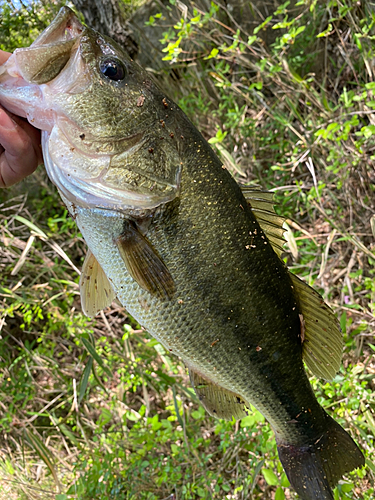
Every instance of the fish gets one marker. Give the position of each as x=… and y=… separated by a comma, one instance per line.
x=192, y=256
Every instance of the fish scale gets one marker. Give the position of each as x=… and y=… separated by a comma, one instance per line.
x=191, y=256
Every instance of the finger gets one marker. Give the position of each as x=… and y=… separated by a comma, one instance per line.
x=21, y=154
x=31, y=131
x=4, y=56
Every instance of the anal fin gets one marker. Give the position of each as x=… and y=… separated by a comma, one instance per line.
x=219, y=402
x=96, y=290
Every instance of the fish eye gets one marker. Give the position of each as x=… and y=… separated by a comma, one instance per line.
x=113, y=69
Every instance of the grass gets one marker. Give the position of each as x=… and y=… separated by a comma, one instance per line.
x=98, y=409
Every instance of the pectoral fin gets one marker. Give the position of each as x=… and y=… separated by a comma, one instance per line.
x=219, y=402
x=143, y=263
x=96, y=290
x=322, y=344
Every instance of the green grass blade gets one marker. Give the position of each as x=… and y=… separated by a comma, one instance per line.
x=45, y=455
x=32, y=226
x=91, y=350
x=85, y=379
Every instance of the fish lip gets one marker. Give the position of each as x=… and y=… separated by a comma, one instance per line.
x=59, y=39
x=65, y=26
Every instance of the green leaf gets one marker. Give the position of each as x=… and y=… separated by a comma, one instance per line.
x=65, y=430
x=105, y=417
x=282, y=9
x=346, y=487
x=279, y=495
x=259, y=417
x=256, y=85
x=214, y=52
x=326, y=32
x=343, y=322
x=9, y=467
x=175, y=448
x=370, y=464
x=196, y=414
x=156, y=425
x=151, y=21
x=251, y=39
x=270, y=477
x=284, y=481
x=255, y=475
x=368, y=131
x=299, y=30
x=248, y=421
x=263, y=25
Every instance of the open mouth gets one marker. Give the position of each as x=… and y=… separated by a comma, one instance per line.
x=47, y=56
x=66, y=26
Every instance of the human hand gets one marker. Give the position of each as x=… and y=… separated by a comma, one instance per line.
x=20, y=151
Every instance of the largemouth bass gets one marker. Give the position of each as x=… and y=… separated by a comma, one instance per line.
x=191, y=256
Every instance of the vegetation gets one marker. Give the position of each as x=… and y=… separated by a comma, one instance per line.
x=98, y=409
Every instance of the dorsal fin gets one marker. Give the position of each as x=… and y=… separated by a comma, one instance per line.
x=96, y=290
x=323, y=344
x=261, y=204
x=219, y=402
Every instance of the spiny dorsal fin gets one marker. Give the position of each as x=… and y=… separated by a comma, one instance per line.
x=96, y=290
x=261, y=204
x=143, y=264
x=323, y=344
x=219, y=402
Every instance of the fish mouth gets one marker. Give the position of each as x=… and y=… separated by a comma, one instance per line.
x=66, y=26
x=28, y=67
x=50, y=52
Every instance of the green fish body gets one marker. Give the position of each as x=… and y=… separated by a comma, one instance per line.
x=190, y=255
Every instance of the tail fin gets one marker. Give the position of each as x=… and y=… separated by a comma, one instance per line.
x=313, y=470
